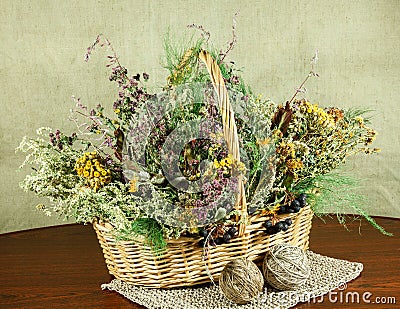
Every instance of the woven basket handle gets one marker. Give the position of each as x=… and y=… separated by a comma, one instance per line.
x=229, y=126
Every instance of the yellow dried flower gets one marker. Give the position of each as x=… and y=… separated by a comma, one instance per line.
x=241, y=166
x=228, y=163
x=319, y=116
x=336, y=113
x=293, y=164
x=229, y=159
x=90, y=167
x=133, y=185
x=360, y=120
x=264, y=142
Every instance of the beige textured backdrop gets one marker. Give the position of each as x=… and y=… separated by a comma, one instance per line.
x=42, y=44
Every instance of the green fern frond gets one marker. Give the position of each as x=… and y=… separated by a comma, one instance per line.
x=148, y=228
x=336, y=193
x=354, y=112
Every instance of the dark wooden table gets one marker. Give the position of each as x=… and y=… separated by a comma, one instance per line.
x=63, y=266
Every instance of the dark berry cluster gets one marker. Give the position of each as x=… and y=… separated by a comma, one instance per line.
x=283, y=225
x=295, y=206
x=216, y=236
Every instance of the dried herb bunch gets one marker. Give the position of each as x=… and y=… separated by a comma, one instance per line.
x=111, y=167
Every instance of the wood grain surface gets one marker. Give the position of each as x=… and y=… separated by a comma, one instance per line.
x=63, y=267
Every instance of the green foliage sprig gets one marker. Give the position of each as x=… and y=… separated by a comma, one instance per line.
x=147, y=228
x=336, y=193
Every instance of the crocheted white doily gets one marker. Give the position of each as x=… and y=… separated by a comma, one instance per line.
x=327, y=274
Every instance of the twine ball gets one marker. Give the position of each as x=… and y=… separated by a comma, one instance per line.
x=286, y=267
x=241, y=281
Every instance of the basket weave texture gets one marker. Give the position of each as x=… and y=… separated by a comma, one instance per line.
x=183, y=262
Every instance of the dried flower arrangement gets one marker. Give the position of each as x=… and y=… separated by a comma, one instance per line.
x=117, y=169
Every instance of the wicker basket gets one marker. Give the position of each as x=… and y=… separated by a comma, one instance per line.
x=182, y=264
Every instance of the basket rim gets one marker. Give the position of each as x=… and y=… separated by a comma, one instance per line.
x=254, y=219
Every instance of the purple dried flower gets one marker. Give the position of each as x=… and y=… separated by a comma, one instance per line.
x=198, y=203
x=234, y=79
x=145, y=76
x=132, y=82
x=108, y=142
x=117, y=104
x=92, y=47
x=109, y=160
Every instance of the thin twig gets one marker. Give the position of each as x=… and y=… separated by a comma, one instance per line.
x=234, y=38
x=113, y=59
x=204, y=33
x=301, y=88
